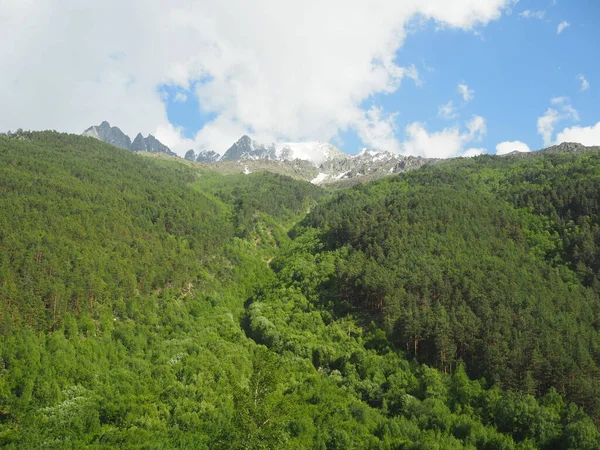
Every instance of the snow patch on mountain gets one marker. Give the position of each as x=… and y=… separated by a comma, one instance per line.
x=314, y=151
x=319, y=178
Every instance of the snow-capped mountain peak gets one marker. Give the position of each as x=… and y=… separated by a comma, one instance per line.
x=313, y=151
x=246, y=148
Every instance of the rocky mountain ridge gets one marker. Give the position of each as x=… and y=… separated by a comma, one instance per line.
x=114, y=136
x=317, y=162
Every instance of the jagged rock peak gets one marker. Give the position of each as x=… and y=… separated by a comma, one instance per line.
x=114, y=136
x=246, y=148
x=139, y=144
x=190, y=155
x=111, y=135
x=565, y=147
x=154, y=145
x=207, y=156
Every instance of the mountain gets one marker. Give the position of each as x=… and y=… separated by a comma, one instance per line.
x=564, y=147
x=570, y=147
x=114, y=136
x=317, y=162
x=190, y=155
x=150, y=144
x=368, y=165
x=331, y=164
x=246, y=148
x=111, y=135
x=139, y=144
x=324, y=164
x=153, y=145
x=207, y=156
x=147, y=302
x=313, y=151
x=320, y=163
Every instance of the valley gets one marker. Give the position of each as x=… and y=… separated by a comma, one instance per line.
x=149, y=301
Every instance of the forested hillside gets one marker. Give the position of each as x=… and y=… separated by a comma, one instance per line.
x=146, y=303
x=492, y=262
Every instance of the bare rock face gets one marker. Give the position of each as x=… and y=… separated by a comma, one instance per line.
x=139, y=144
x=246, y=148
x=324, y=160
x=569, y=147
x=111, y=135
x=153, y=145
x=207, y=156
x=190, y=155
x=114, y=136
x=317, y=162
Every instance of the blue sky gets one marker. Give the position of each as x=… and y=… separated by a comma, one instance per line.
x=382, y=74
x=514, y=66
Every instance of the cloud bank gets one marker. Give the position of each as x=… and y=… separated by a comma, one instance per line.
x=280, y=70
x=589, y=136
x=504, y=148
x=561, y=111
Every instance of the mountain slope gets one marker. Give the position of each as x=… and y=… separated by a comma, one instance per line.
x=452, y=271
x=151, y=303
x=116, y=224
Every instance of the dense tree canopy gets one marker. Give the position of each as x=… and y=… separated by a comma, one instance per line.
x=146, y=303
x=489, y=261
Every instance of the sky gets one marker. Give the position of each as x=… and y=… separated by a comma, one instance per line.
x=429, y=78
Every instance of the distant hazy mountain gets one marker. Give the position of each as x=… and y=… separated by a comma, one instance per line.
x=207, y=156
x=317, y=162
x=246, y=148
x=190, y=155
x=150, y=144
x=325, y=163
x=113, y=135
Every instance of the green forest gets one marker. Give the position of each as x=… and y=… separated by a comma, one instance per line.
x=150, y=303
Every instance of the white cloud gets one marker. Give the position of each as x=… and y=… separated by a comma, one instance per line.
x=562, y=26
x=378, y=131
x=172, y=137
x=473, y=152
x=584, y=135
x=447, y=111
x=281, y=69
x=477, y=129
x=570, y=113
x=466, y=93
x=448, y=143
x=529, y=14
x=547, y=122
x=559, y=100
x=585, y=85
x=511, y=146
x=180, y=97
x=412, y=73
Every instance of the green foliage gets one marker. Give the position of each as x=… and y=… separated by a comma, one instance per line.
x=147, y=304
x=479, y=261
x=84, y=224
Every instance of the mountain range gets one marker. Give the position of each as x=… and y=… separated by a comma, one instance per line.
x=151, y=302
x=114, y=136
x=317, y=162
